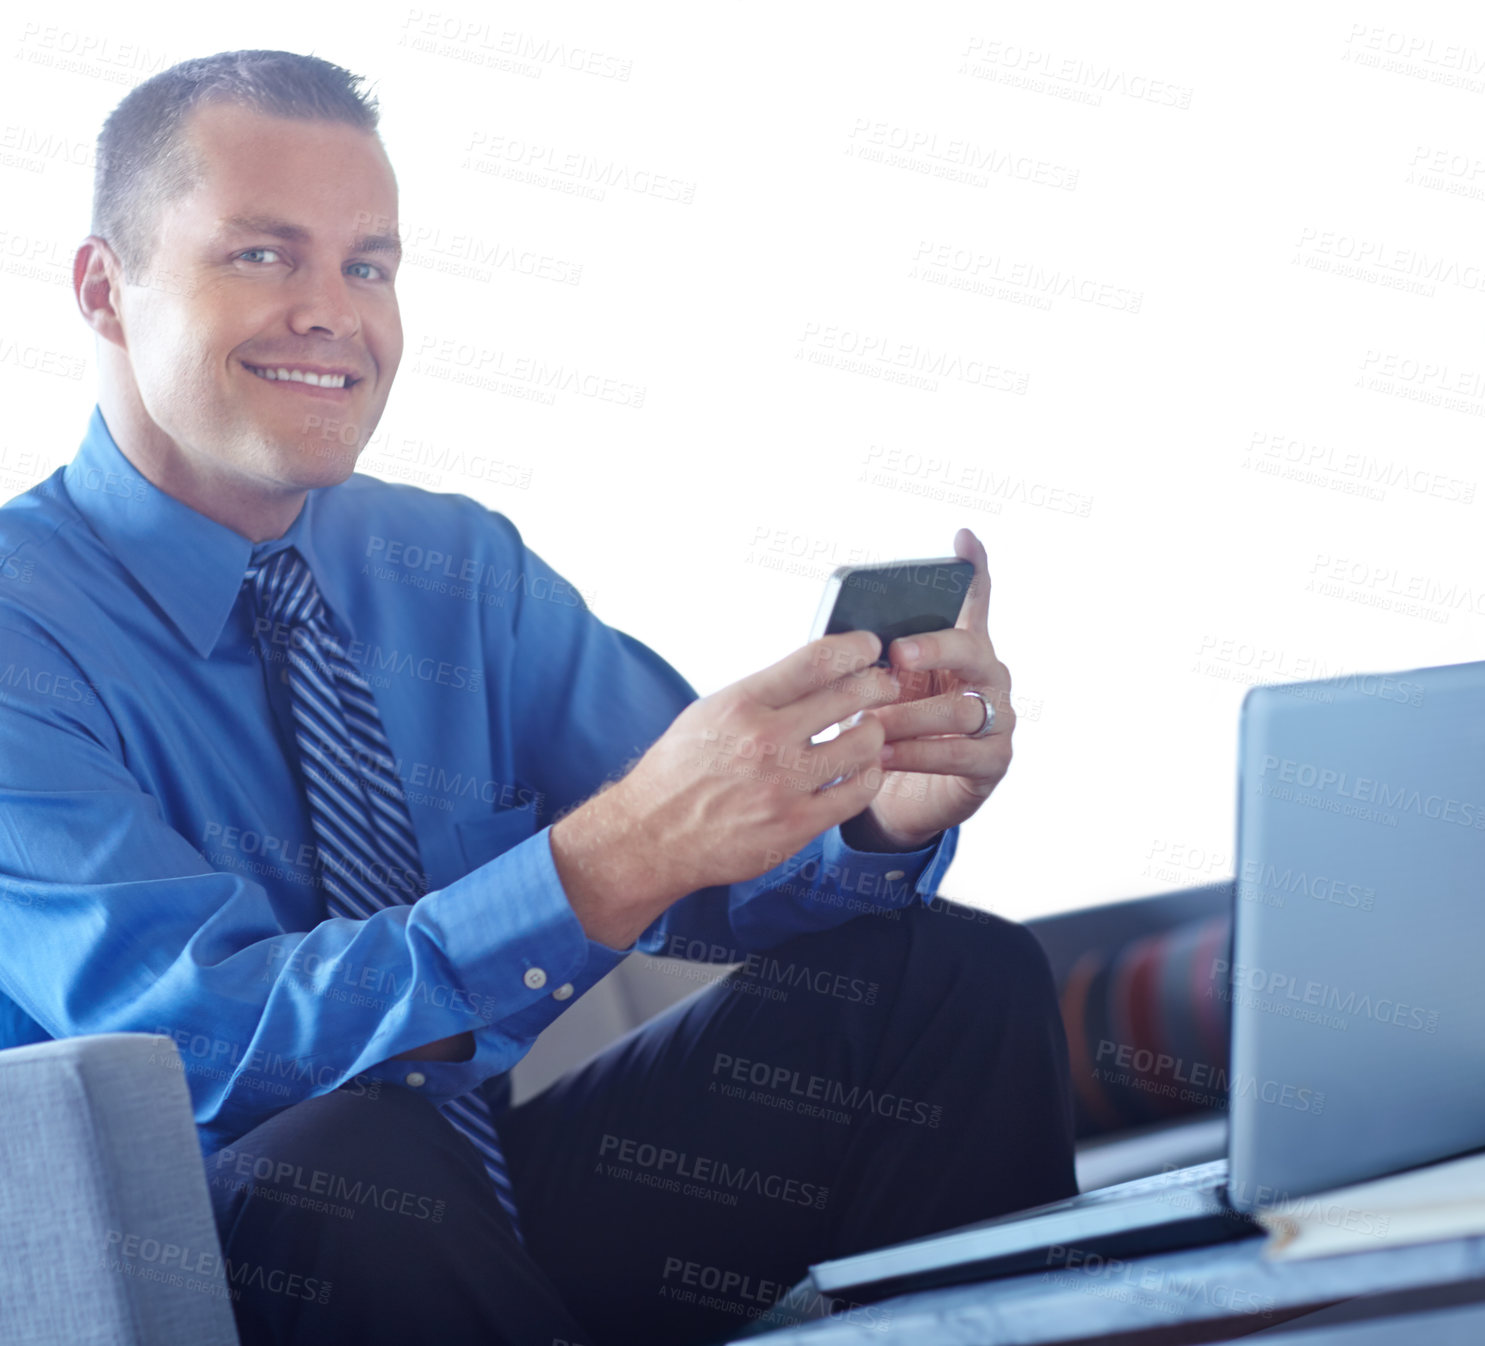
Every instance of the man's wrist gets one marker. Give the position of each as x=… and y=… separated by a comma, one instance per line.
x=864, y=833
x=609, y=871
x=460, y=1047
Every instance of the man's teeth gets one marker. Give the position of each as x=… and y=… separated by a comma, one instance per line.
x=301, y=376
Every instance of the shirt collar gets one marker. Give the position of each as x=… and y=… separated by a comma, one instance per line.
x=192, y=566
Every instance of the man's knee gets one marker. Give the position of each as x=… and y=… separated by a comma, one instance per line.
x=983, y=955
x=376, y=1197
x=326, y=1149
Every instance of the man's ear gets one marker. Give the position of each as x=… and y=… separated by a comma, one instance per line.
x=97, y=278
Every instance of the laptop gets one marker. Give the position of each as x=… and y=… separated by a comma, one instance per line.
x=1357, y=994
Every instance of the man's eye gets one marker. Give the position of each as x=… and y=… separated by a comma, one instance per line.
x=370, y=266
x=256, y=254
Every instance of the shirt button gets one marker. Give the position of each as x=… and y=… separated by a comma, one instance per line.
x=893, y=874
x=416, y=1079
x=563, y=991
x=535, y=978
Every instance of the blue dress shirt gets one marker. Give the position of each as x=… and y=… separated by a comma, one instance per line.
x=157, y=865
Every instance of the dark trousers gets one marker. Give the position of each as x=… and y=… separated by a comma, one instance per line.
x=897, y=1075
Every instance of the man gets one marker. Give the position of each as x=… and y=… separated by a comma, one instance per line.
x=353, y=844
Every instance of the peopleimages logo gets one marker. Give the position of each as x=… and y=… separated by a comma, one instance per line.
x=773, y=971
x=221, y=1059
x=1203, y=1082
x=1268, y=884
x=148, y=1258
x=1381, y=1009
x=46, y=682
x=800, y=1091
x=252, y=1168
x=1139, y=1282
x=1365, y=790
x=678, y=1166
x=748, y=1295
x=406, y=560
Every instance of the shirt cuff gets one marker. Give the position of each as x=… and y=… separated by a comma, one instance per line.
x=889, y=878
x=513, y=941
x=828, y=882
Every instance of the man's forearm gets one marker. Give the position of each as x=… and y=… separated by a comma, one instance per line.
x=615, y=890
x=616, y=881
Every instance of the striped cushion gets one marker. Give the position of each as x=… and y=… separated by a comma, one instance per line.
x=1147, y=1027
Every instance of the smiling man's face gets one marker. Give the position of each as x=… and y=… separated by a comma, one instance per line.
x=276, y=269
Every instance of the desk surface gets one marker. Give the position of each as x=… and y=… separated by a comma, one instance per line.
x=1196, y=1286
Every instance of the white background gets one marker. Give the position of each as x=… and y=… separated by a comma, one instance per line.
x=1237, y=432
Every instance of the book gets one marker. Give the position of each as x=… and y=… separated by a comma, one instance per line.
x=1423, y=1205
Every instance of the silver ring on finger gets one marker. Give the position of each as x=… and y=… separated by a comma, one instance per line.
x=989, y=715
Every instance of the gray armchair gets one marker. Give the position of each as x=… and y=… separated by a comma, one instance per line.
x=106, y=1233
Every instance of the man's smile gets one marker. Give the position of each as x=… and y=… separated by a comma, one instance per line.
x=333, y=382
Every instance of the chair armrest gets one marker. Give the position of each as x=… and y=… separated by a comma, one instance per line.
x=106, y=1230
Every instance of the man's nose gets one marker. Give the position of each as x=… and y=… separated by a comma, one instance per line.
x=323, y=304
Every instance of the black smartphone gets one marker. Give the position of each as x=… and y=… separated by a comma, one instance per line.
x=894, y=599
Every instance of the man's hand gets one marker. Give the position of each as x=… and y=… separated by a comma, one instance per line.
x=928, y=726
x=731, y=786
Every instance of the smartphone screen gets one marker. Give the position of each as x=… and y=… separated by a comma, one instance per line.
x=895, y=599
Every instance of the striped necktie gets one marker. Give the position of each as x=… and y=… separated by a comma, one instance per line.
x=368, y=852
